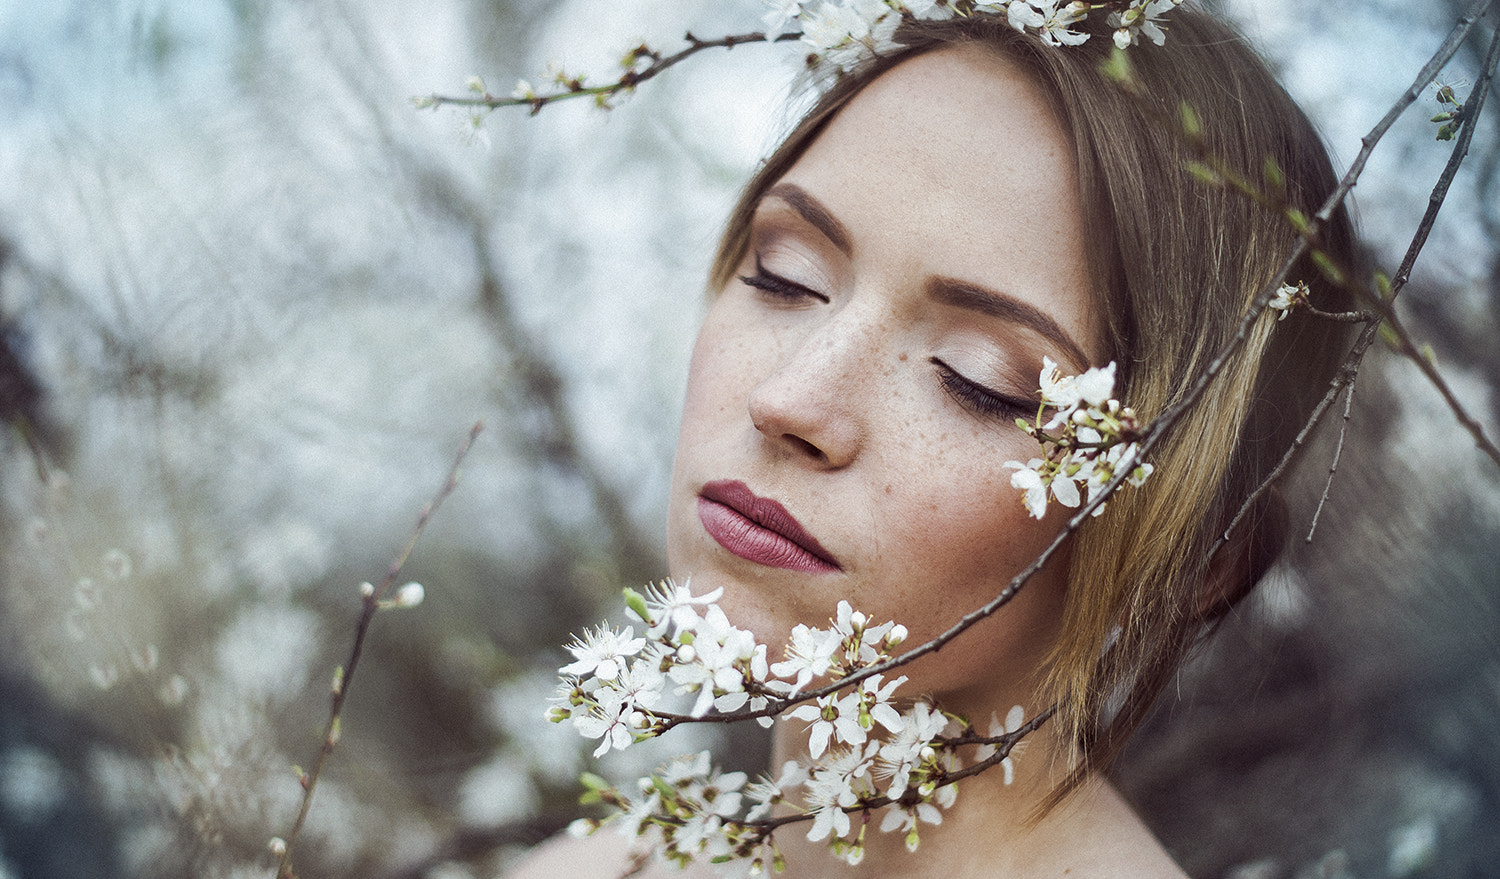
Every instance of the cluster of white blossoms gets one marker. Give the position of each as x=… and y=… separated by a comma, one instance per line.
x=1088, y=439
x=842, y=32
x=865, y=751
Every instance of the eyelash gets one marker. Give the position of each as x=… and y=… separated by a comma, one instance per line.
x=979, y=399
x=972, y=396
x=779, y=287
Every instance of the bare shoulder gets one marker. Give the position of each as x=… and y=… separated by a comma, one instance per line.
x=604, y=855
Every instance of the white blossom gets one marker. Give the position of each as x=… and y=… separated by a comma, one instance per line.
x=833, y=787
x=602, y=652
x=1013, y=720
x=1141, y=19
x=1028, y=478
x=809, y=655
x=875, y=704
x=780, y=12
x=831, y=717
x=768, y=792
x=672, y=605
x=908, y=748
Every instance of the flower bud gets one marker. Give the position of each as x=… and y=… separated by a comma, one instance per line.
x=410, y=595
x=896, y=635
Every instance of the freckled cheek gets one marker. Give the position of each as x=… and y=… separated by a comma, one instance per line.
x=957, y=549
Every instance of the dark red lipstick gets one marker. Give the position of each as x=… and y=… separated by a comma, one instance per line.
x=759, y=529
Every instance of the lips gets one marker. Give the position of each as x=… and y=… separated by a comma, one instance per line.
x=759, y=529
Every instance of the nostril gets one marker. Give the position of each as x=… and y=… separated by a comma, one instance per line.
x=804, y=446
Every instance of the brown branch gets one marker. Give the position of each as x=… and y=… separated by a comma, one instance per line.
x=574, y=87
x=1003, y=744
x=1333, y=466
x=1471, y=110
x=344, y=675
x=1350, y=367
x=1347, y=317
x=1409, y=349
x=1425, y=77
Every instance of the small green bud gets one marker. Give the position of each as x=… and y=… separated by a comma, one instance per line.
x=1274, y=176
x=1388, y=336
x=1328, y=267
x=1204, y=173
x=1298, y=220
x=636, y=603
x=1190, y=124
x=1116, y=68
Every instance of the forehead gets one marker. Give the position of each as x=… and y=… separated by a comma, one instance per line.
x=954, y=164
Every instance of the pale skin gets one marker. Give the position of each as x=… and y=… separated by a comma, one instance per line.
x=903, y=282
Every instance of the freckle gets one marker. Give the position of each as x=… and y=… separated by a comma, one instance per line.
x=903, y=355
x=887, y=489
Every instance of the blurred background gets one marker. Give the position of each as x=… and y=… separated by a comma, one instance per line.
x=251, y=302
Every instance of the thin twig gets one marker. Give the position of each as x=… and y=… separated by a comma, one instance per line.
x=344, y=676
x=1425, y=77
x=1472, y=108
x=1350, y=367
x=1409, y=349
x=1345, y=377
x=1345, y=317
x=574, y=88
x=1333, y=466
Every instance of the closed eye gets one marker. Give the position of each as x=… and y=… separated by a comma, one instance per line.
x=777, y=287
x=979, y=399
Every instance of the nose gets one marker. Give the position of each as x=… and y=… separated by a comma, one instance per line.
x=812, y=406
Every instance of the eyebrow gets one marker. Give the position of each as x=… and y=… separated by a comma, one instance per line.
x=946, y=290
x=1007, y=308
x=812, y=210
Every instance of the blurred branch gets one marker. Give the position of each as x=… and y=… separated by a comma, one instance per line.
x=374, y=599
x=544, y=387
x=542, y=384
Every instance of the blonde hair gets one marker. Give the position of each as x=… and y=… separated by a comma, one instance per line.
x=1176, y=262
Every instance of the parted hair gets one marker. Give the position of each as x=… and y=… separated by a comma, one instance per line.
x=1176, y=260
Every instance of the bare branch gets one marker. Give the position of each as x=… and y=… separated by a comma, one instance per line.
x=1412, y=352
x=1471, y=110
x=1333, y=466
x=574, y=87
x=1425, y=77
x=344, y=676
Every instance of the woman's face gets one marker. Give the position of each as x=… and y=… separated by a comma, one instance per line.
x=853, y=395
